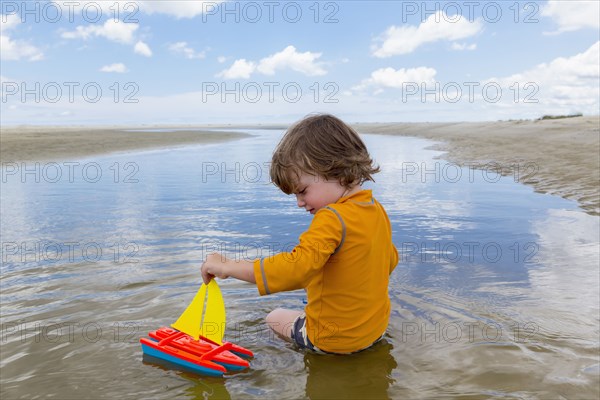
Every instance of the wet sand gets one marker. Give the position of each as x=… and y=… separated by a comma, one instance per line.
x=559, y=156
x=67, y=143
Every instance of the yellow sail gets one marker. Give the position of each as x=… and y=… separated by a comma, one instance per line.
x=205, y=315
x=213, y=323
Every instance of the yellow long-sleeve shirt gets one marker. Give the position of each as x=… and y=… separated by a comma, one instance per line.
x=343, y=261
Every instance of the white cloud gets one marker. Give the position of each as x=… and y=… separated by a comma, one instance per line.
x=14, y=50
x=573, y=15
x=438, y=26
x=142, y=48
x=463, y=46
x=569, y=82
x=80, y=32
x=560, y=86
x=290, y=58
x=391, y=78
x=119, y=68
x=240, y=69
x=112, y=30
x=179, y=9
x=10, y=50
x=129, y=10
x=187, y=51
x=221, y=59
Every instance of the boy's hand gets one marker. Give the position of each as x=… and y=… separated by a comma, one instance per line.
x=214, y=266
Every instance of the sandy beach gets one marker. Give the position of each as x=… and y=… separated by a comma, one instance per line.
x=66, y=143
x=556, y=156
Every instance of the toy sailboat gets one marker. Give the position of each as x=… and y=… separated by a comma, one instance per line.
x=196, y=342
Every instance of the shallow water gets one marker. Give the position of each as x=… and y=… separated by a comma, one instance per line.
x=496, y=294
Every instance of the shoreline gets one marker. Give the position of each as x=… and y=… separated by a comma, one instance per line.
x=556, y=156
x=32, y=143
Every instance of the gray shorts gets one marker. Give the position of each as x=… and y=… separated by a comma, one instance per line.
x=300, y=338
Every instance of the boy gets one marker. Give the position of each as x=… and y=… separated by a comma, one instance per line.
x=345, y=257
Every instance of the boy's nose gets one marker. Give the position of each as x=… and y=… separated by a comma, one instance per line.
x=300, y=202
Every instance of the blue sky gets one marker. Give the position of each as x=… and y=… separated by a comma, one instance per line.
x=187, y=62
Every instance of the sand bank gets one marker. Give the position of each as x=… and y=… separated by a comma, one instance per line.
x=560, y=156
x=68, y=143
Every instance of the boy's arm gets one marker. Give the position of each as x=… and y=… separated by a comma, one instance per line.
x=295, y=269
x=217, y=265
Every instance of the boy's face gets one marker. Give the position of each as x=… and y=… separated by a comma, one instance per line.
x=315, y=192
